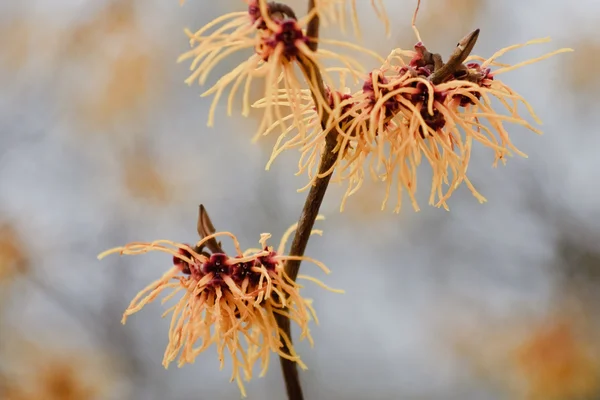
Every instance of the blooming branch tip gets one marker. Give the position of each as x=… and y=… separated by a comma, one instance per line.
x=230, y=301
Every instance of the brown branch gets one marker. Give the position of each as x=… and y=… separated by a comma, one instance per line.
x=206, y=228
x=279, y=8
x=312, y=28
x=313, y=201
x=458, y=56
x=312, y=204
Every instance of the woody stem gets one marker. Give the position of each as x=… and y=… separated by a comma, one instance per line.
x=312, y=204
x=305, y=225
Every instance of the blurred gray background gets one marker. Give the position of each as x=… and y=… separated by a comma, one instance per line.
x=102, y=143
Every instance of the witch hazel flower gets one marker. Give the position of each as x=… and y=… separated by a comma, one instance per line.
x=363, y=123
x=278, y=43
x=272, y=34
x=446, y=109
x=227, y=300
x=415, y=107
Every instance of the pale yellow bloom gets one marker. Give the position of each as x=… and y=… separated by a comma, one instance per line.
x=279, y=43
x=440, y=122
x=400, y=118
x=230, y=302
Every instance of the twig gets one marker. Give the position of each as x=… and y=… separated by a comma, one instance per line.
x=313, y=200
x=458, y=56
x=305, y=224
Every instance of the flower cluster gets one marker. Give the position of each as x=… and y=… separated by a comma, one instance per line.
x=229, y=301
x=277, y=40
x=413, y=107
